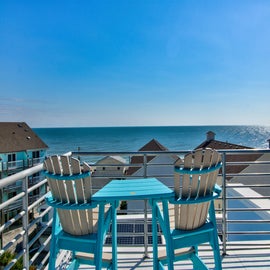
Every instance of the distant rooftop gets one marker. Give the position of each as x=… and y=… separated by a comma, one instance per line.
x=211, y=142
x=18, y=136
x=152, y=145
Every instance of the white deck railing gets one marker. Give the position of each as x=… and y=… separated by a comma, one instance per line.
x=243, y=210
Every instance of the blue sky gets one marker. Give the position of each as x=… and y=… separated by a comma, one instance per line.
x=133, y=63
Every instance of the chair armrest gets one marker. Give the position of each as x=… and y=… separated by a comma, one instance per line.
x=70, y=206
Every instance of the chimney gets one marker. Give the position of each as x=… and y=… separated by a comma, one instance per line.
x=210, y=135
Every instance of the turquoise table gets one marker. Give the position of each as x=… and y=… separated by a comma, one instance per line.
x=136, y=189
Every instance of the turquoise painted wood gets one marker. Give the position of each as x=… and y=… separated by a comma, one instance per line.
x=136, y=189
x=194, y=213
x=75, y=224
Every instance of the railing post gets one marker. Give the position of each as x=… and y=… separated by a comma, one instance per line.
x=145, y=231
x=25, y=223
x=145, y=210
x=144, y=166
x=224, y=204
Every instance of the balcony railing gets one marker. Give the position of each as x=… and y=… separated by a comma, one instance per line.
x=20, y=164
x=243, y=210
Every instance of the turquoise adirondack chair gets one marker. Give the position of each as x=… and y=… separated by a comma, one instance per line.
x=79, y=224
x=190, y=219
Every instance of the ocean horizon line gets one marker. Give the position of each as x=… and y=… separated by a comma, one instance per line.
x=154, y=126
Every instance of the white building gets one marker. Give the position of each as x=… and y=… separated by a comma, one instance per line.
x=106, y=169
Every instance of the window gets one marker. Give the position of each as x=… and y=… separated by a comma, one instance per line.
x=11, y=157
x=12, y=194
x=36, y=154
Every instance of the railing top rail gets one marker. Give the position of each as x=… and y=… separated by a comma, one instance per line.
x=139, y=153
x=229, y=151
x=15, y=177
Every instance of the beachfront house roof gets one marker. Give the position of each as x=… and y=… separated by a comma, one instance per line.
x=18, y=137
x=154, y=167
x=152, y=145
x=211, y=142
x=117, y=168
x=111, y=160
x=107, y=168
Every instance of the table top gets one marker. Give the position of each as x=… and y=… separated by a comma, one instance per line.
x=135, y=189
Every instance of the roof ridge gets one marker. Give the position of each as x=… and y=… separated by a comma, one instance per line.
x=153, y=145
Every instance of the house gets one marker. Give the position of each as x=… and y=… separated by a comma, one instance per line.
x=106, y=169
x=246, y=168
x=211, y=142
x=20, y=148
x=157, y=165
x=154, y=162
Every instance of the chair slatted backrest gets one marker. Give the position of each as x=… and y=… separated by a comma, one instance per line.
x=72, y=188
x=195, y=181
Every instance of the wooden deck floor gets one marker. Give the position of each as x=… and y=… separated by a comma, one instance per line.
x=240, y=255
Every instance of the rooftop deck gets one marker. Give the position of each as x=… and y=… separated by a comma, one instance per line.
x=243, y=213
x=240, y=255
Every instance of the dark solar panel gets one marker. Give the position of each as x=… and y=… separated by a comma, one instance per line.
x=125, y=240
x=150, y=240
x=132, y=240
x=138, y=240
x=125, y=227
x=108, y=241
x=139, y=228
x=133, y=234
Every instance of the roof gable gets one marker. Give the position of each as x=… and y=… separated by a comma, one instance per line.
x=17, y=137
x=152, y=145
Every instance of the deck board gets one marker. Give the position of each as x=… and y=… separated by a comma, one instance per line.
x=240, y=255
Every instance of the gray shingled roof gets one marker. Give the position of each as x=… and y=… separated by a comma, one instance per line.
x=18, y=136
x=152, y=145
x=211, y=142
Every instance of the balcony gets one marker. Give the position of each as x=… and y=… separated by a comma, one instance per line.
x=243, y=213
x=20, y=164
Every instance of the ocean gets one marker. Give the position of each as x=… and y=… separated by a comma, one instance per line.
x=62, y=140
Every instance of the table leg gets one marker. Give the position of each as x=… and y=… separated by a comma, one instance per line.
x=154, y=234
x=169, y=247
x=146, y=255
x=100, y=236
x=114, y=234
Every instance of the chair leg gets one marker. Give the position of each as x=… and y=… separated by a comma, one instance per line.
x=216, y=251
x=217, y=259
x=52, y=262
x=53, y=248
x=198, y=264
